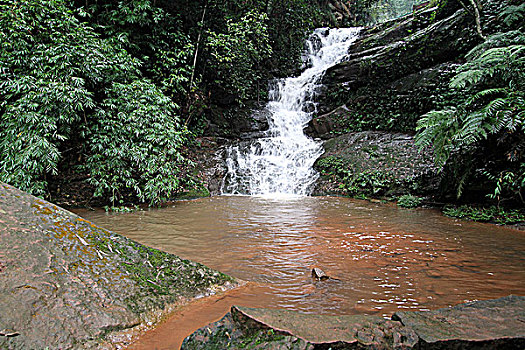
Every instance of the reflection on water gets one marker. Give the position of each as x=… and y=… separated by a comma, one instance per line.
x=384, y=258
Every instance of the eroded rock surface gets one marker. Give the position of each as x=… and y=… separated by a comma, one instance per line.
x=487, y=324
x=379, y=162
x=66, y=283
x=492, y=324
x=281, y=329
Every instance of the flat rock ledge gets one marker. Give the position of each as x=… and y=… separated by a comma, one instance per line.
x=489, y=324
x=66, y=283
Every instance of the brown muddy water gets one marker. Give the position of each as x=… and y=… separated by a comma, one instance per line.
x=383, y=258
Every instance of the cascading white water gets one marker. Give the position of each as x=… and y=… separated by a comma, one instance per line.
x=282, y=162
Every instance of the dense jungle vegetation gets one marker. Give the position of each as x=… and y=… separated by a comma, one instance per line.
x=115, y=89
x=478, y=136
x=115, y=92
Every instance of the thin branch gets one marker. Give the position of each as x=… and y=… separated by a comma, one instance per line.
x=477, y=16
x=197, y=47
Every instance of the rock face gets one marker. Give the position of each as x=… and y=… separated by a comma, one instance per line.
x=68, y=284
x=487, y=324
x=375, y=163
x=492, y=324
x=281, y=329
x=239, y=122
x=370, y=103
x=378, y=63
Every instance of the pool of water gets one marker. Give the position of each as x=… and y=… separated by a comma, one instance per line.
x=382, y=258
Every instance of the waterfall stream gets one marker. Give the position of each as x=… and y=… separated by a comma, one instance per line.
x=281, y=163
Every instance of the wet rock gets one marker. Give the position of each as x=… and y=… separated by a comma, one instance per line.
x=208, y=157
x=394, y=106
x=487, y=324
x=397, y=51
x=281, y=329
x=232, y=123
x=323, y=126
x=491, y=324
x=66, y=283
x=384, y=163
x=394, y=73
x=319, y=274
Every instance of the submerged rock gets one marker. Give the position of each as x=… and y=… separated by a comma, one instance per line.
x=66, y=283
x=491, y=324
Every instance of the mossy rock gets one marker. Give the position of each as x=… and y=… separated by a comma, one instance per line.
x=67, y=283
x=376, y=164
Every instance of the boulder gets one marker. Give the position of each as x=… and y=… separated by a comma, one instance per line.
x=491, y=324
x=486, y=324
x=375, y=163
x=66, y=283
x=324, y=126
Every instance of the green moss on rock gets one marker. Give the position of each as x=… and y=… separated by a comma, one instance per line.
x=67, y=282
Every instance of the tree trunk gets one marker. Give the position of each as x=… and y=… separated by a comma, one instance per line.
x=477, y=16
x=197, y=47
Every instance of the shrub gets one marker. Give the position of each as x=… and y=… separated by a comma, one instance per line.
x=492, y=113
x=409, y=201
x=135, y=144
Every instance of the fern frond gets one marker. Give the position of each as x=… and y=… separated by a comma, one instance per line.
x=513, y=14
x=466, y=78
x=471, y=131
x=461, y=183
x=436, y=128
x=513, y=37
x=498, y=62
x=496, y=106
x=491, y=92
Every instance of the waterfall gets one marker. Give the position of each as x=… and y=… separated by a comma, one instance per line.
x=281, y=163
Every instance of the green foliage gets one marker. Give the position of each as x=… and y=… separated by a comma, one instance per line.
x=290, y=21
x=493, y=78
x=135, y=143
x=237, y=54
x=49, y=64
x=513, y=15
x=507, y=183
x=490, y=214
x=121, y=209
x=151, y=33
x=372, y=183
x=332, y=166
x=358, y=185
x=62, y=85
x=409, y=201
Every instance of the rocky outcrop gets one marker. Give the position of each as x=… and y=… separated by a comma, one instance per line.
x=395, y=106
x=395, y=72
x=375, y=163
x=491, y=324
x=370, y=103
x=238, y=122
x=391, y=54
x=66, y=283
x=487, y=324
